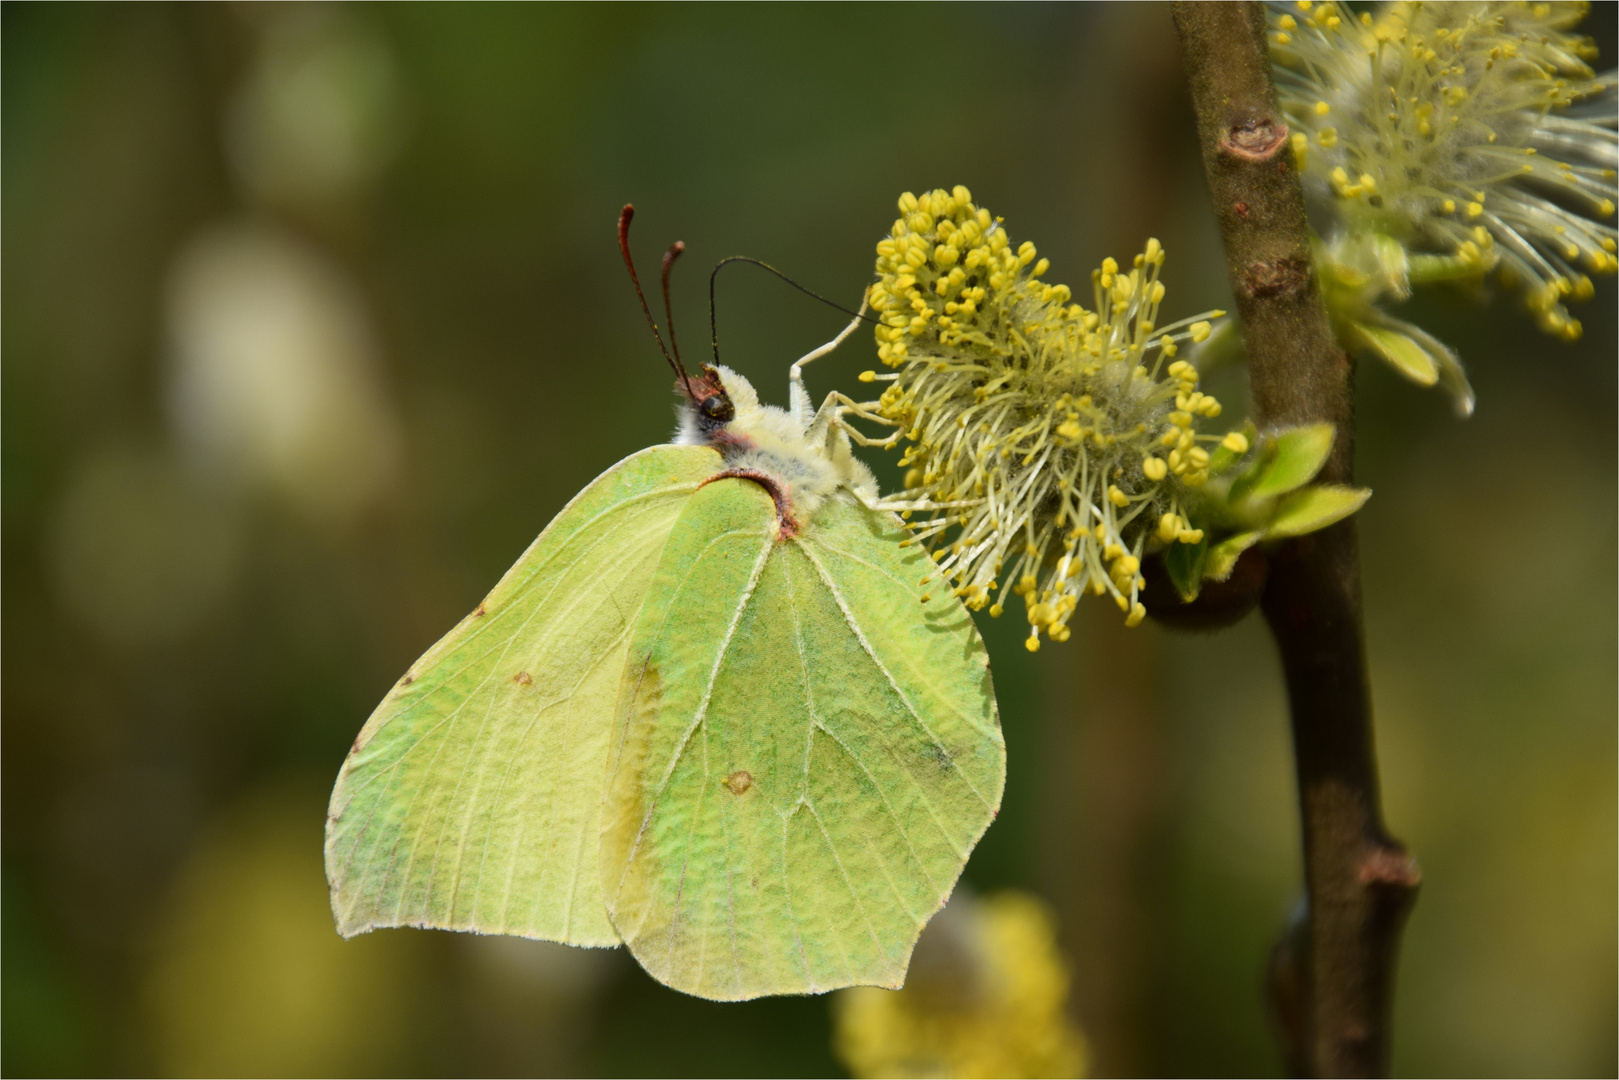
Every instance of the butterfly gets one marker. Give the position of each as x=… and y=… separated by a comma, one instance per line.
x=712, y=713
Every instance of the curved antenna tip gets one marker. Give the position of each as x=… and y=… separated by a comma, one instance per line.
x=624, y=218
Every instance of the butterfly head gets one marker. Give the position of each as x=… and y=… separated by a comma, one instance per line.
x=720, y=408
x=709, y=402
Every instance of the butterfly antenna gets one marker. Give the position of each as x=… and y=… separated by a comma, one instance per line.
x=713, y=317
x=624, y=219
x=676, y=249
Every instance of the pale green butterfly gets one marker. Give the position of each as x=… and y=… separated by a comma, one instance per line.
x=710, y=713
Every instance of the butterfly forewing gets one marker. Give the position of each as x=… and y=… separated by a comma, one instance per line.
x=805, y=753
x=471, y=799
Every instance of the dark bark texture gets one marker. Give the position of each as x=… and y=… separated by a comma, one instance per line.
x=1332, y=976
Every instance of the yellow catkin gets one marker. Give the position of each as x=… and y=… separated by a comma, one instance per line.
x=1032, y=417
x=986, y=997
x=1428, y=124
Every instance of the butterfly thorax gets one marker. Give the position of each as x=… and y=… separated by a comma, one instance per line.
x=776, y=449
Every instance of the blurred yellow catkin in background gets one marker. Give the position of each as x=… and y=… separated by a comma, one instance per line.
x=986, y=996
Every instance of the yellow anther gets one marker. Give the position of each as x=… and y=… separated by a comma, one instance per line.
x=1322, y=108
x=1200, y=331
x=868, y=376
x=1138, y=611
x=1154, y=468
x=1474, y=209
x=1032, y=643
x=1328, y=138
x=1236, y=442
x=1117, y=497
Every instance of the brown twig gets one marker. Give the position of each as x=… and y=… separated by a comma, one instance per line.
x=1332, y=987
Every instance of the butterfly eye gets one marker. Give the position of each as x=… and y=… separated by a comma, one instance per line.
x=716, y=407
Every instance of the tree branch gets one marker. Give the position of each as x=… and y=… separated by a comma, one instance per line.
x=1332, y=983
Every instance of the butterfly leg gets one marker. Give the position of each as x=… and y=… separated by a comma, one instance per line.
x=798, y=398
x=831, y=416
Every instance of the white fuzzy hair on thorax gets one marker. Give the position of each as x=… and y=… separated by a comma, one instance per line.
x=774, y=441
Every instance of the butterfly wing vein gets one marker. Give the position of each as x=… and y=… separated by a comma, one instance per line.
x=871, y=754
x=420, y=833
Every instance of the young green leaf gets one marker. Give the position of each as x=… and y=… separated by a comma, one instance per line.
x=1224, y=555
x=1408, y=358
x=1184, y=563
x=1242, y=485
x=1314, y=508
x=1233, y=448
x=1300, y=453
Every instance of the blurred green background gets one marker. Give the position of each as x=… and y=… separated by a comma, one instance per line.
x=313, y=318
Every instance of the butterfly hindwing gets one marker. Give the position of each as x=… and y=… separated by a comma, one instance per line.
x=471, y=799
x=805, y=753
